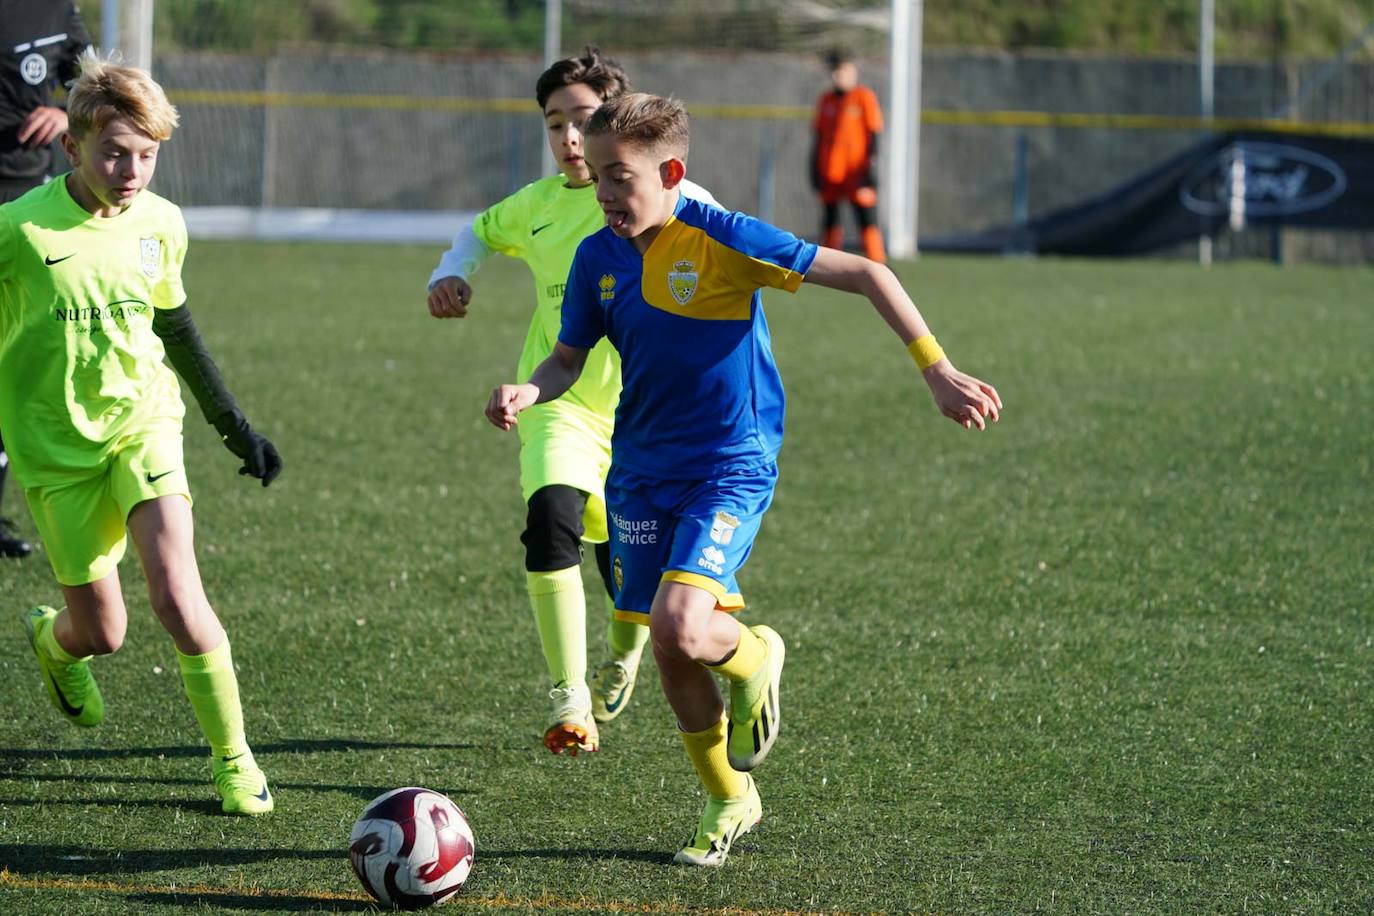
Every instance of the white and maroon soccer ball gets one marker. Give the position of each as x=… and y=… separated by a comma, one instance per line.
x=411, y=848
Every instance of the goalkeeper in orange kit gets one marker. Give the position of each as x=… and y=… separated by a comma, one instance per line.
x=844, y=155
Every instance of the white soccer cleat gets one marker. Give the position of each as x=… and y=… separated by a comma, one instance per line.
x=572, y=727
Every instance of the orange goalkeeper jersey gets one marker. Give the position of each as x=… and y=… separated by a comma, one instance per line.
x=845, y=124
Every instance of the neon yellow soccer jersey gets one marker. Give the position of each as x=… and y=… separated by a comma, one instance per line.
x=542, y=224
x=80, y=366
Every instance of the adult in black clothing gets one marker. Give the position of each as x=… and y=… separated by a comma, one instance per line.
x=40, y=48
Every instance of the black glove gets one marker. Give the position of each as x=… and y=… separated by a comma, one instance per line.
x=260, y=457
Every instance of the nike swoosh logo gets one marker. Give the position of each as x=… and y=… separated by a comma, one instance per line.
x=532, y=231
x=262, y=796
x=68, y=708
x=612, y=707
x=152, y=479
x=51, y=261
x=231, y=759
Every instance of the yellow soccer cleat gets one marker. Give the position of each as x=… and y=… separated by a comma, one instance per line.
x=70, y=685
x=755, y=716
x=612, y=684
x=242, y=787
x=723, y=822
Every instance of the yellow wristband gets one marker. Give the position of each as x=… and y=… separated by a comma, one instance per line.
x=926, y=351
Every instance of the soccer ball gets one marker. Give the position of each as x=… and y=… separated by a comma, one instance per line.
x=411, y=848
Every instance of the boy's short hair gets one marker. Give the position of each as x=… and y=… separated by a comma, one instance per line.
x=601, y=74
x=106, y=90
x=836, y=56
x=648, y=121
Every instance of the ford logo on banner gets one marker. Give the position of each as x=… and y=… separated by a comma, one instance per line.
x=1265, y=179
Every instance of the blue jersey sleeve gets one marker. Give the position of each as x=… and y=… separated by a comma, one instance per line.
x=584, y=318
x=771, y=256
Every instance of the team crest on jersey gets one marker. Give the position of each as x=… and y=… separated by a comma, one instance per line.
x=618, y=573
x=607, y=284
x=682, y=281
x=149, y=255
x=723, y=528
x=34, y=69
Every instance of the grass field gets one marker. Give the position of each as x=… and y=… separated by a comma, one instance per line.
x=1113, y=656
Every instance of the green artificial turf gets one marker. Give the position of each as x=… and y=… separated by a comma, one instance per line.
x=1113, y=655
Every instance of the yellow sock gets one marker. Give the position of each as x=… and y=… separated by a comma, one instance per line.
x=213, y=690
x=624, y=637
x=747, y=658
x=560, y=615
x=707, y=752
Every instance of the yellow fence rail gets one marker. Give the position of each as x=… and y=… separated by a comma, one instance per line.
x=1043, y=119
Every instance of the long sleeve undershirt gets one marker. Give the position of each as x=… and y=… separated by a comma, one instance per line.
x=463, y=258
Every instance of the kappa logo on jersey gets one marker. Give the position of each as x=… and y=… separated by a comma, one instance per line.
x=34, y=69
x=723, y=528
x=712, y=559
x=607, y=284
x=150, y=255
x=682, y=281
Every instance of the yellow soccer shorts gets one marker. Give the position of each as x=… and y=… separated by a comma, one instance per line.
x=83, y=523
x=560, y=444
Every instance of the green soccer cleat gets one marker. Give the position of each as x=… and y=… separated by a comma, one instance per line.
x=71, y=686
x=242, y=787
x=612, y=685
x=754, y=712
x=572, y=727
x=723, y=822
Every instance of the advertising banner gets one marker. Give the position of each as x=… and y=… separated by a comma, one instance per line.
x=1227, y=181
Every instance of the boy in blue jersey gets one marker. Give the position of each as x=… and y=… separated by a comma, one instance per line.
x=565, y=446
x=674, y=285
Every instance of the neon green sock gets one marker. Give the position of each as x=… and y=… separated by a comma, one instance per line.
x=624, y=637
x=560, y=615
x=213, y=690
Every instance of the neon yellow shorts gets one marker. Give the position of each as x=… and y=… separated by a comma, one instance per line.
x=563, y=445
x=83, y=523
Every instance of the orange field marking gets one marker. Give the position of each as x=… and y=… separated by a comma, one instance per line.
x=9, y=879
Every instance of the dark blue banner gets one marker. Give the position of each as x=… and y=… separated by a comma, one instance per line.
x=1226, y=181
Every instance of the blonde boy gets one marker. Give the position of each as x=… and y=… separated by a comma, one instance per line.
x=90, y=302
x=565, y=447
x=675, y=287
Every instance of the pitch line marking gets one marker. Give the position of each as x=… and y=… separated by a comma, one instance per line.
x=9, y=879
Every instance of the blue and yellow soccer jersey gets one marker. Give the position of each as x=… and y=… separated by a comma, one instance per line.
x=542, y=224
x=701, y=390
